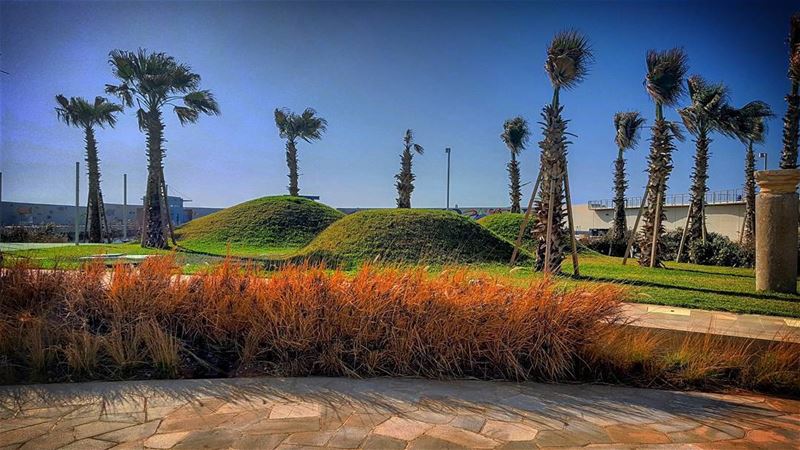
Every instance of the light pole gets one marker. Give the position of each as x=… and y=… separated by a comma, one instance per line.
x=124, y=207
x=77, y=200
x=763, y=155
x=447, y=150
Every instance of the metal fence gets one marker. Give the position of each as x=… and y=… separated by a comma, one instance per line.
x=727, y=196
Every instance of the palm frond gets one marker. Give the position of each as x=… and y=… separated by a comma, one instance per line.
x=568, y=59
x=516, y=134
x=202, y=102
x=418, y=148
x=709, y=109
x=77, y=111
x=627, y=126
x=751, y=121
x=665, y=73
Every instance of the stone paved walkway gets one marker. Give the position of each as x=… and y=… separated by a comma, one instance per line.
x=385, y=414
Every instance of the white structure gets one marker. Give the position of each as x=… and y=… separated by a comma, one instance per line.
x=724, y=213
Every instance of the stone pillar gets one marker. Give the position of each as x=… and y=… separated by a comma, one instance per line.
x=776, y=230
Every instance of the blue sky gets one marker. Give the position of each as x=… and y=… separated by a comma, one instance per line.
x=453, y=72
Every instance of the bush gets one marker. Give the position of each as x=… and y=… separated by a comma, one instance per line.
x=32, y=233
x=718, y=250
x=506, y=225
x=72, y=325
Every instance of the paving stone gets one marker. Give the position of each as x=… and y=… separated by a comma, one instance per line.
x=316, y=438
x=50, y=441
x=634, y=434
x=258, y=441
x=295, y=410
x=215, y=439
x=431, y=443
x=166, y=440
x=22, y=422
x=508, y=431
x=461, y=436
x=348, y=437
x=429, y=416
x=285, y=426
x=191, y=423
x=88, y=444
x=518, y=445
x=702, y=433
x=366, y=420
x=24, y=434
x=402, y=428
x=378, y=442
x=95, y=428
x=469, y=423
x=132, y=433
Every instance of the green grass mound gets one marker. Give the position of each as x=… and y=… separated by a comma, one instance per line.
x=408, y=236
x=506, y=225
x=264, y=225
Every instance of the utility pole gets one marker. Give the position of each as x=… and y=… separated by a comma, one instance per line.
x=124, y=207
x=447, y=150
x=77, y=199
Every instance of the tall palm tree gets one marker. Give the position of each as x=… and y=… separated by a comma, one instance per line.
x=306, y=126
x=515, y=136
x=664, y=83
x=153, y=81
x=751, y=128
x=627, y=125
x=568, y=58
x=405, y=178
x=791, y=122
x=78, y=112
x=708, y=112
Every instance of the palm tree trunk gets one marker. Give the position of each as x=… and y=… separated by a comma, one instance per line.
x=660, y=166
x=620, y=224
x=154, y=237
x=748, y=235
x=791, y=128
x=93, y=202
x=551, y=245
x=405, y=179
x=513, y=174
x=699, y=186
x=291, y=161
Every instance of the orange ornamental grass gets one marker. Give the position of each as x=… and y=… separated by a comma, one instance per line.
x=301, y=320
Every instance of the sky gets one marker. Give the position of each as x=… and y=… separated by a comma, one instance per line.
x=451, y=71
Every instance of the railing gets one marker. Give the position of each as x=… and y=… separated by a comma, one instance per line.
x=712, y=198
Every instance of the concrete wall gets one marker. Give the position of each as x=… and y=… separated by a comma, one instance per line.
x=725, y=219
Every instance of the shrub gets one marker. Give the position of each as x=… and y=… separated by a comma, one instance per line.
x=718, y=250
x=300, y=321
x=506, y=225
x=46, y=233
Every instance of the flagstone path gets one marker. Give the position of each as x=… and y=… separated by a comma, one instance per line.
x=385, y=414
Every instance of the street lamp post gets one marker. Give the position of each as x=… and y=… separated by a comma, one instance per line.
x=447, y=150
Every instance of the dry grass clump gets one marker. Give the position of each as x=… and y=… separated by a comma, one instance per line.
x=302, y=320
x=658, y=358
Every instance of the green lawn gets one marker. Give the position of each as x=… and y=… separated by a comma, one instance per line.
x=686, y=285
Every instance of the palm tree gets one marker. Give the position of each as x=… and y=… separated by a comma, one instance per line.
x=567, y=64
x=405, y=178
x=751, y=128
x=153, y=81
x=515, y=136
x=664, y=83
x=78, y=112
x=708, y=112
x=627, y=125
x=791, y=122
x=306, y=126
